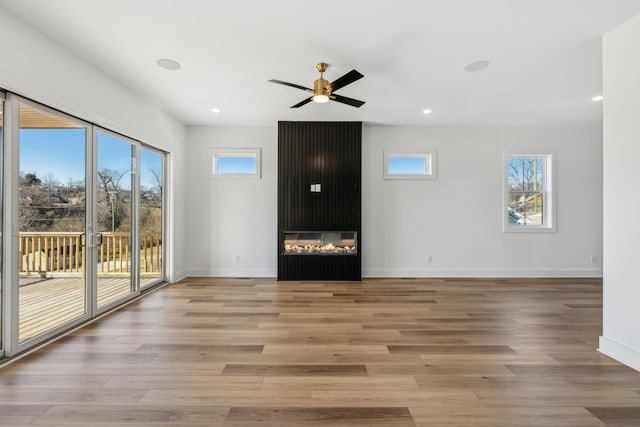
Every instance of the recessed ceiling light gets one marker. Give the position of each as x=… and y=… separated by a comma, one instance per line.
x=168, y=64
x=215, y=110
x=597, y=98
x=474, y=66
x=427, y=111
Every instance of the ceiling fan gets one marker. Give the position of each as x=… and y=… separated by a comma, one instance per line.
x=323, y=91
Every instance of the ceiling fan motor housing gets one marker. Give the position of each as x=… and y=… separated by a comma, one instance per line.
x=321, y=87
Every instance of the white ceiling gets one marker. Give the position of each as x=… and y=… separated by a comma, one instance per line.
x=545, y=56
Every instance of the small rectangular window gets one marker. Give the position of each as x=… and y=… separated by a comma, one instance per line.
x=409, y=164
x=528, y=192
x=234, y=163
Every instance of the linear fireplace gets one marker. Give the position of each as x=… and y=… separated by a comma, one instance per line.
x=319, y=201
x=319, y=255
x=320, y=243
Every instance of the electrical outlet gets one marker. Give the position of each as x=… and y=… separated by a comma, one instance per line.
x=594, y=259
x=429, y=259
x=236, y=259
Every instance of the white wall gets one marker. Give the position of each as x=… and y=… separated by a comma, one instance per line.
x=621, y=314
x=229, y=217
x=456, y=219
x=35, y=67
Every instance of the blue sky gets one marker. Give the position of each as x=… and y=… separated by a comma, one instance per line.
x=407, y=165
x=236, y=165
x=61, y=153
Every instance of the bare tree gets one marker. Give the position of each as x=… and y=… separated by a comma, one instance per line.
x=157, y=178
x=523, y=174
x=110, y=179
x=112, y=195
x=50, y=180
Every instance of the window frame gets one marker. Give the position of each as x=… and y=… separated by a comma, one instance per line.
x=2, y=292
x=548, y=192
x=216, y=153
x=429, y=154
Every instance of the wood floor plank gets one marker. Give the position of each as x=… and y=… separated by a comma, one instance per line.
x=573, y=370
x=451, y=349
x=155, y=368
x=227, y=398
x=293, y=370
x=617, y=416
x=381, y=352
x=309, y=383
x=57, y=396
x=133, y=415
x=199, y=348
x=182, y=382
x=555, y=397
x=53, y=380
x=7, y=409
x=366, y=417
x=505, y=417
x=373, y=398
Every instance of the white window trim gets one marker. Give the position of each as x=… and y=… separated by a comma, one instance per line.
x=429, y=154
x=233, y=152
x=549, y=186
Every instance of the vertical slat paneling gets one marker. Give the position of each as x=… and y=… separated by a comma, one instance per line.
x=330, y=154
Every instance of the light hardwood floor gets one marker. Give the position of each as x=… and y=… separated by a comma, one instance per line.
x=49, y=303
x=414, y=352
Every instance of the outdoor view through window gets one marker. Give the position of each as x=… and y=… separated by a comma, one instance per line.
x=54, y=204
x=526, y=201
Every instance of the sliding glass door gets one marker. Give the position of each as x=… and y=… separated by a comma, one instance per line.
x=151, y=218
x=115, y=200
x=86, y=208
x=52, y=206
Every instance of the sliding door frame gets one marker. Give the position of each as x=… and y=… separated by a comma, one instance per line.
x=164, y=205
x=10, y=172
x=135, y=242
x=2, y=243
x=11, y=222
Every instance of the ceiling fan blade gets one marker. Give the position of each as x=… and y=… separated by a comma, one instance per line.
x=301, y=103
x=345, y=100
x=280, y=82
x=348, y=78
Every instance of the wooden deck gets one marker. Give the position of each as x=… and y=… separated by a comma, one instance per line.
x=389, y=353
x=49, y=303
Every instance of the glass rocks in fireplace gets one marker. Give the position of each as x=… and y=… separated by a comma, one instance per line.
x=320, y=243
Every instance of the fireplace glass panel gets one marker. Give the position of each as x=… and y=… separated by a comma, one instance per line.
x=320, y=243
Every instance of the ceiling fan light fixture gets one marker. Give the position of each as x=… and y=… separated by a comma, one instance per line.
x=323, y=90
x=320, y=99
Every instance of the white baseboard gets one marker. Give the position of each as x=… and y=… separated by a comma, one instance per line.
x=178, y=276
x=620, y=352
x=398, y=272
x=233, y=272
x=384, y=272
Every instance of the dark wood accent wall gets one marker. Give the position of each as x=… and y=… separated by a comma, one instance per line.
x=329, y=154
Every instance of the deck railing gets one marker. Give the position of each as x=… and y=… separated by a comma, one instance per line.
x=56, y=253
